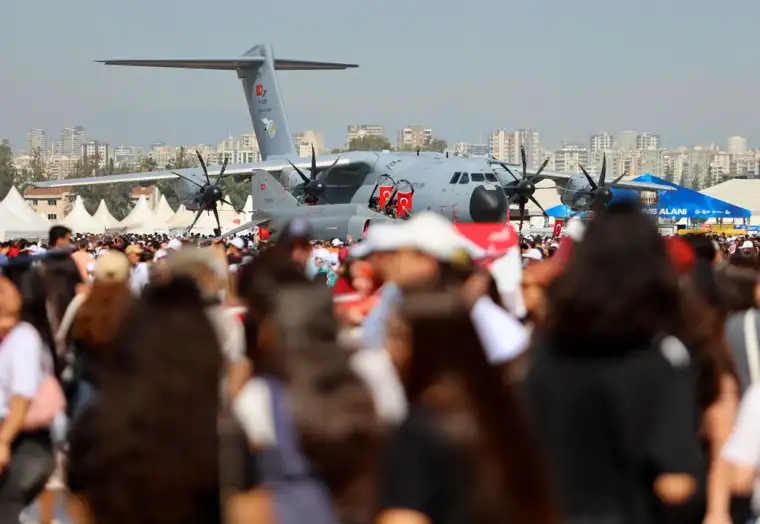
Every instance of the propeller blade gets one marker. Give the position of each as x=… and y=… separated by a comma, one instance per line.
x=588, y=177
x=203, y=165
x=524, y=161
x=618, y=179
x=228, y=203
x=224, y=166
x=522, y=213
x=197, y=216
x=326, y=171
x=543, y=166
x=300, y=173
x=532, y=199
x=216, y=216
x=313, y=163
x=200, y=186
x=604, y=169
x=510, y=172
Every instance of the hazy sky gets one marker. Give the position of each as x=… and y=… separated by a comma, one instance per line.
x=688, y=69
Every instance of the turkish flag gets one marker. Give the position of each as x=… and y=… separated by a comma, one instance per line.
x=558, y=223
x=262, y=187
x=383, y=195
x=259, y=90
x=263, y=233
x=403, y=203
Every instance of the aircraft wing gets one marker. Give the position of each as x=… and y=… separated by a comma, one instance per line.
x=643, y=186
x=271, y=166
x=264, y=218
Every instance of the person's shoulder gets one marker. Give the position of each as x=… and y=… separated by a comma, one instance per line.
x=23, y=334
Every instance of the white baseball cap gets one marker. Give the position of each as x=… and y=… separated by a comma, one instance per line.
x=434, y=235
x=383, y=237
x=238, y=243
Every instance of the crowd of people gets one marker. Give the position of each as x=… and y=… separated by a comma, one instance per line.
x=610, y=376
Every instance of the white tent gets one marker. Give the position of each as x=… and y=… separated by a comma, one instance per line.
x=80, y=221
x=182, y=218
x=163, y=211
x=16, y=204
x=103, y=216
x=12, y=226
x=228, y=219
x=142, y=220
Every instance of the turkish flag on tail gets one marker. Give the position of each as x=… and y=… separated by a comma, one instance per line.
x=383, y=195
x=403, y=203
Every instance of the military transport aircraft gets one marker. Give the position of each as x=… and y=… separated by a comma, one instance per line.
x=391, y=184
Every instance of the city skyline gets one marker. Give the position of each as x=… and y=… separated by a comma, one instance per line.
x=596, y=66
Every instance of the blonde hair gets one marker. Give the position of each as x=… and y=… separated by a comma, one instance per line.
x=193, y=261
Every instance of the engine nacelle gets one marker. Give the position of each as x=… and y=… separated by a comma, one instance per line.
x=188, y=193
x=290, y=179
x=326, y=228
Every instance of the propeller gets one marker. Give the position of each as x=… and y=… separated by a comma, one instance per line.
x=313, y=186
x=209, y=193
x=525, y=186
x=601, y=193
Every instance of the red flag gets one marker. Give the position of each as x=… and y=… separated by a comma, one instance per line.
x=403, y=203
x=558, y=223
x=263, y=233
x=263, y=187
x=259, y=90
x=383, y=195
x=236, y=221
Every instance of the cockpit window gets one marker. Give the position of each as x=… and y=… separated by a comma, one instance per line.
x=491, y=177
x=478, y=177
x=455, y=178
x=465, y=179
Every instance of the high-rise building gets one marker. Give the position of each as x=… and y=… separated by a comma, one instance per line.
x=37, y=141
x=361, y=130
x=71, y=142
x=737, y=145
x=99, y=150
x=648, y=141
x=601, y=142
x=626, y=140
x=568, y=158
x=304, y=141
x=505, y=146
x=414, y=137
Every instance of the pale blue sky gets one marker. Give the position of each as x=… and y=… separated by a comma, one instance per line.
x=688, y=69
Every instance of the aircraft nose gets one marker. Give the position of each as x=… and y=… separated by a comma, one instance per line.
x=488, y=205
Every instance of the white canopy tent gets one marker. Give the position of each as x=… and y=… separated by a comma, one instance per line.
x=142, y=220
x=181, y=218
x=80, y=221
x=16, y=204
x=163, y=211
x=103, y=216
x=13, y=226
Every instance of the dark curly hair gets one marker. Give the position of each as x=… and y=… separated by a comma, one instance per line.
x=619, y=288
x=146, y=451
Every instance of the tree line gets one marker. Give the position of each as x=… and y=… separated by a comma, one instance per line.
x=381, y=143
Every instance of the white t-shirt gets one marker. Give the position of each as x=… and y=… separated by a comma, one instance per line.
x=139, y=278
x=744, y=445
x=24, y=362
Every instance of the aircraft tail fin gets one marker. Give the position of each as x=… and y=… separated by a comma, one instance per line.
x=256, y=70
x=268, y=194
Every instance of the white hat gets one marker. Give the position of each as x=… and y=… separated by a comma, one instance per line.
x=432, y=234
x=382, y=237
x=175, y=244
x=238, y=243
x=161, y=253
x=747, y=245
x=533, y=254
x=575, y=229
x=336, y=242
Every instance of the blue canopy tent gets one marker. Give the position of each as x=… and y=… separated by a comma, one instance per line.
x=560, y=211
x=684, y=202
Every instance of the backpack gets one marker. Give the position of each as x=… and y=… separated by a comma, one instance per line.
x=299, y=495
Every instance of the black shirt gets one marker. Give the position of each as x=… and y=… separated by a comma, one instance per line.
x=422, y=472
x=611, y=425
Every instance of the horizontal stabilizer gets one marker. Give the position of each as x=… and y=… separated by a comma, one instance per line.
x=228, y=64
x=268, y=194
